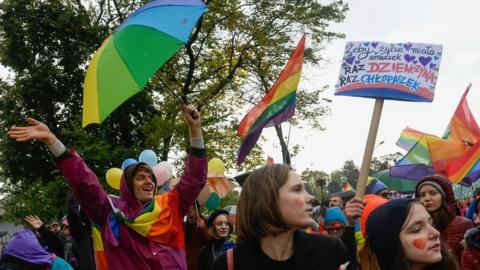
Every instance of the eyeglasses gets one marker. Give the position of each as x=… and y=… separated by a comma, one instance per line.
x=222, y=223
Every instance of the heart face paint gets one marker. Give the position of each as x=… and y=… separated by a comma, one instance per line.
x=420, y=243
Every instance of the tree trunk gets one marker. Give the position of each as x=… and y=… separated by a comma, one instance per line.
x=285, y=153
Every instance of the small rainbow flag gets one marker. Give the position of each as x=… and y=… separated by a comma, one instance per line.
x=277, y=106
x=462, y=126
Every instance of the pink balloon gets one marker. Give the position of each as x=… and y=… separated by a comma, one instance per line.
x=163, y=172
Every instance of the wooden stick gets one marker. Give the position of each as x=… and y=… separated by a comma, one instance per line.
x=367, y=155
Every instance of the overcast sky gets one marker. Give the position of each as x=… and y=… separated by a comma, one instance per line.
x=454, y=24
x=450, y=23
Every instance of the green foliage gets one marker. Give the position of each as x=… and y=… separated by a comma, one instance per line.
x=384, y=162
x=311, y=179
x=350, y=170
x=234, y=55
x=231, y=199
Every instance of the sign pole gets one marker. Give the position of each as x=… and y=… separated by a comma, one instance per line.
x=367, y=155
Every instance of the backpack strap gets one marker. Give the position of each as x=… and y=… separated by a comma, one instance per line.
x=230, y=259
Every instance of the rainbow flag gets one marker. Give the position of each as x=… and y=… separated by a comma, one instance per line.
x=277, y=106
x=465, y=165
x=462, y=126
x=100, y=258
x=409, y=137
x=161, y=221
x=418, y=153
x=442, y=152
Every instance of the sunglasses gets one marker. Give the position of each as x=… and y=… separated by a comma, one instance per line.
x=335, y=229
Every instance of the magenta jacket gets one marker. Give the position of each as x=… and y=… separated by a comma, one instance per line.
x=131, y=251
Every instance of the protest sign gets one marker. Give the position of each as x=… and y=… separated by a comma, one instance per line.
x=399, y=71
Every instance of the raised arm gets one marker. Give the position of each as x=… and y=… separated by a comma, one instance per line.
x=54, y=243
x=85, y=185
x=195, y=172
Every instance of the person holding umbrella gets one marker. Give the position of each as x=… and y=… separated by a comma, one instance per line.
x=140, y=230
x=273, y=209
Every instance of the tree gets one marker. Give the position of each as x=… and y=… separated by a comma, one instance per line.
x=384, y=162
x=316, y=182
x=350, y=170
x=234, y=54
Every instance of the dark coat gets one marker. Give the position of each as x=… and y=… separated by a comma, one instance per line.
x=195, y=239
x=310, y=252
x=471, y=254
x=80, y=230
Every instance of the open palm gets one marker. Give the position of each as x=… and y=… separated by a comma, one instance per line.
x=37, y=131
x=34, y=221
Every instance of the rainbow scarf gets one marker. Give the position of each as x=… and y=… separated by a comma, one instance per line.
x=277, y=106
x=160, y=221
x=462, y=126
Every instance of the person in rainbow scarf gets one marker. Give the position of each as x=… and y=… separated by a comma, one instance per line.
x=139, y=230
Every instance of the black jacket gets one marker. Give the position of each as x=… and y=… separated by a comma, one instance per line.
x=310, y=252
x=80, y=230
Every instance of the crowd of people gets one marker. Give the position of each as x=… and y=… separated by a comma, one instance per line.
x=276, y=225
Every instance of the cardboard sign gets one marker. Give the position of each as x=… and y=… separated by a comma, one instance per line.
x=399, y=71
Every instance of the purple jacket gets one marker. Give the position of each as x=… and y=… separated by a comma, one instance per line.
x=132, y=251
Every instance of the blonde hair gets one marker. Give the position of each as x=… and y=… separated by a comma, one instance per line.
x=366, y=258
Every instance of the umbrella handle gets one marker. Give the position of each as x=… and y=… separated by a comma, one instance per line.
x=171, y=91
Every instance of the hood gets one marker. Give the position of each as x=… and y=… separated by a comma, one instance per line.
x=25, y=246
x=472, y=237
x=126, y=190
x=445, y=184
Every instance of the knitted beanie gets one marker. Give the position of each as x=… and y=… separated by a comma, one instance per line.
x=335, y=214
x=383, y=229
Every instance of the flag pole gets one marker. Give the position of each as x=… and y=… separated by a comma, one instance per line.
x=367, y=155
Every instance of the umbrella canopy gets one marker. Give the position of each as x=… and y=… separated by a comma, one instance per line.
x=134, y=52
x=400, y=184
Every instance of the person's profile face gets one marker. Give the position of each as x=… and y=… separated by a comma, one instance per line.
x=295, y=203
x=420, y=240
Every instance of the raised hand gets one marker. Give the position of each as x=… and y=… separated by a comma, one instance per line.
x=192, y=117
x=36, y=131
x=34, y=221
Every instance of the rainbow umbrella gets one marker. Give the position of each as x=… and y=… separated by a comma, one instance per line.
x=130, y=56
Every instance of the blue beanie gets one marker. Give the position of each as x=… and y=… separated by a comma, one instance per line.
x=375, y=187
x=335, y=214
